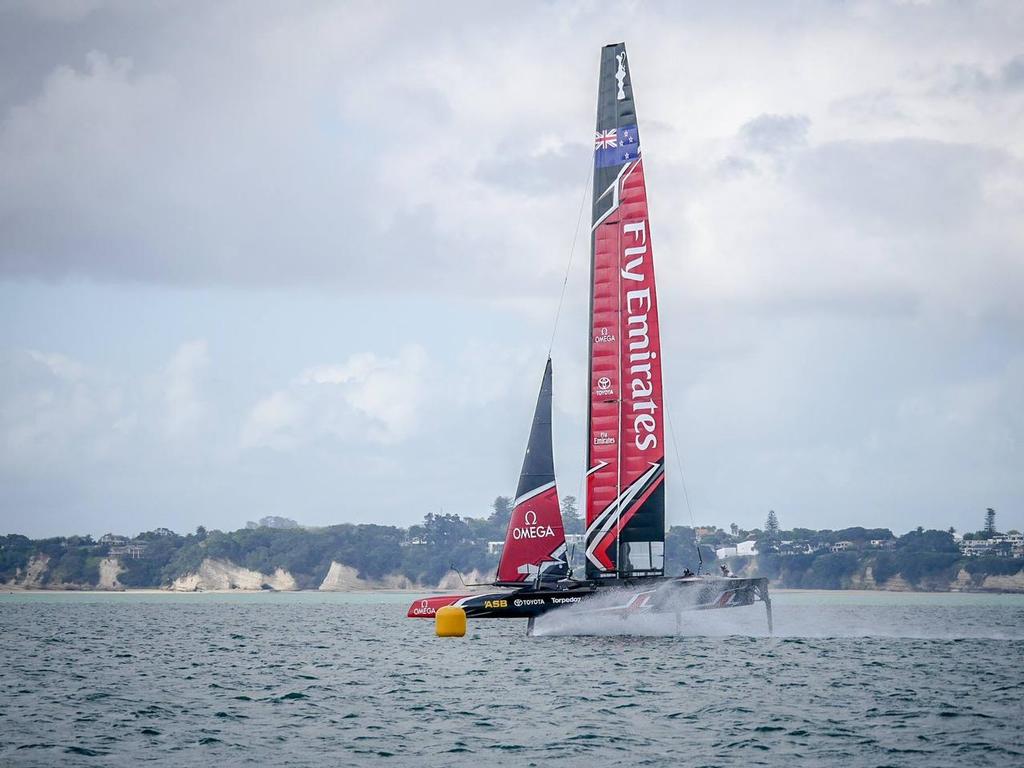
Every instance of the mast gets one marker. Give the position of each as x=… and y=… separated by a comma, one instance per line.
x=625, y=424
x=535, y=538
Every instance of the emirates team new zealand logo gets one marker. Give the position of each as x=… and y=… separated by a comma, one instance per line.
x=620, y=74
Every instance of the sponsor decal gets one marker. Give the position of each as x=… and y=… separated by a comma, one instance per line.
x=638, y=304
x=495, y=603
x=604, y=337
x=424, y=609
x=620, y=75
x=603, y=438
x=604, y=386
x=529, y=601
x=560, y=600
x=530, y=529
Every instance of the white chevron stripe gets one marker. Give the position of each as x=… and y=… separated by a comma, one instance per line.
x=622, y=498
x=531, y=494
x=606, y=519
x=614, y=189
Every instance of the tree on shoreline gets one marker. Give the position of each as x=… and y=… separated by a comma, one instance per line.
x=571, y=516
x=771, y=539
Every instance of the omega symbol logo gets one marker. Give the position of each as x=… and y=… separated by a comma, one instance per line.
x=531, y=517
x=604, y=331
x=604, y=382
x=424, y=604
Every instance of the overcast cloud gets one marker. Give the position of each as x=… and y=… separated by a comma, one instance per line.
x=304, y=260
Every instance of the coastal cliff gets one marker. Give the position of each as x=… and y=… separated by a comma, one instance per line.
x=373, y=557
x=345, y=578
x=452, y=581
x=1012, y=583
x=224, y=575
x=110, y=569
x=31, y=576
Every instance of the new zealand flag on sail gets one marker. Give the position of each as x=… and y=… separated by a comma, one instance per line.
x=616, y=146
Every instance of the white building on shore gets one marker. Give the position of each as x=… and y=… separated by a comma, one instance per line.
x=742, y=549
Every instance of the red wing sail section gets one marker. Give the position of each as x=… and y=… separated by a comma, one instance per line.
x=535, y=539
x=625, y=478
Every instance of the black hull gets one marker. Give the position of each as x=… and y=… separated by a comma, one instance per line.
x=664, y=594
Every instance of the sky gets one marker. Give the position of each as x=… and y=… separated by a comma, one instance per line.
x=305, y=259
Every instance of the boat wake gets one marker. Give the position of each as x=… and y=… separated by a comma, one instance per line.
x=596, y=618
x=603, y=615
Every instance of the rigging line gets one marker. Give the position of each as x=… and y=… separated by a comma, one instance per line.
x=572, y=252
x=579, y=493
x=682, y=478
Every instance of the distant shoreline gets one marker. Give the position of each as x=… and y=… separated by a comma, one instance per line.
x=157, y=591
x=391, y=591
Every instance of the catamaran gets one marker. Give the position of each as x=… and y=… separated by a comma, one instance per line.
x=625, y=478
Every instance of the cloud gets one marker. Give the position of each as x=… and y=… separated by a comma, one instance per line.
x=775, y=133
x=52, y=408
x=297, y=151
x=59, y=365
x=1007, y=78
x=836, y=214
x=867, y=227
x=174, y=168
x=183, y=405
x=66, y=11
x=57, y=411
x=541, y=171
x=366, y=399
x=273, y=422
x=1012, y=74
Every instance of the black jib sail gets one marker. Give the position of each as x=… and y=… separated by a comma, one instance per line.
x=535, y=539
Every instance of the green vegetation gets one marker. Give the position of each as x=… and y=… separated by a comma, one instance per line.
x=425, y=553
x=990, y=522
x=885, y=566
x=802, y=558
x=927, y=542
x=771, y=540
x=15, y=553
x=72, y=560
x=992, y=566
x=571, y=518
x=681, y=551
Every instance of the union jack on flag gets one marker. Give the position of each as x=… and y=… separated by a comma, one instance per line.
x=606, y=139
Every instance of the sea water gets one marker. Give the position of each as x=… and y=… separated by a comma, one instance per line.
x=307, y=679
